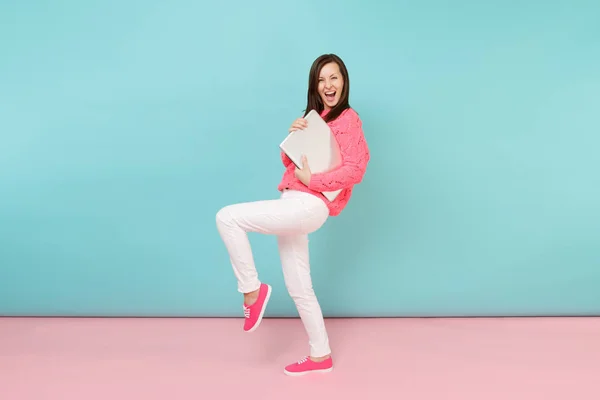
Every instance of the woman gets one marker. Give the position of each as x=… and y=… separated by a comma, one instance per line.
x=300, y=210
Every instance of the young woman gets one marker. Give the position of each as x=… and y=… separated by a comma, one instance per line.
x=300, y=210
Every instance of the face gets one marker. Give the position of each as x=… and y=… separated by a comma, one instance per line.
x=331, y=83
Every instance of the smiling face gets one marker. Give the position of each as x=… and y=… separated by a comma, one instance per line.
x=328, y=87
x=331, y=85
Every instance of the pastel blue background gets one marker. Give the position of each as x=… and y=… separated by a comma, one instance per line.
x=482, y=197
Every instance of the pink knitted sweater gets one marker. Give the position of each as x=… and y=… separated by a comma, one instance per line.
x=347, y=129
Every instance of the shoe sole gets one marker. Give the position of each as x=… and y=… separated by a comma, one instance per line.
x=262, y=311
x=316, y=371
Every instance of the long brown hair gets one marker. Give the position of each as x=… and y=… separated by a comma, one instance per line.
x=314, y=101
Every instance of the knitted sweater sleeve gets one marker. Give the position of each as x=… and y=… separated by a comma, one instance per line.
x=355, y=157
x=285, y=159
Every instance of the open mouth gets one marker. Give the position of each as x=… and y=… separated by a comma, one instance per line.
x=330, y=96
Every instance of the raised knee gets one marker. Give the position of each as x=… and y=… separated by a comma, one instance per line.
x=224, y=216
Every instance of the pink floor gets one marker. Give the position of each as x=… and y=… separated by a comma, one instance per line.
x=178, y=359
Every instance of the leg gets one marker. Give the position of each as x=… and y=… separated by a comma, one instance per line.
x=294, y=254
x=294, y=213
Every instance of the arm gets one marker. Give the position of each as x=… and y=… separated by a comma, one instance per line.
x=286, y=160
x=355, y=157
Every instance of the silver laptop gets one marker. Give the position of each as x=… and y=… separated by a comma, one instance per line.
x=319, y=146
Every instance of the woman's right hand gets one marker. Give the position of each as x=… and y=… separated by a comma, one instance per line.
x=298, y=125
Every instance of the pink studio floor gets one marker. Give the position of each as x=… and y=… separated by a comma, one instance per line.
x=178, y=359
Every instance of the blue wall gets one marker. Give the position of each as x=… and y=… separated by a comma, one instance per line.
x=482, y=197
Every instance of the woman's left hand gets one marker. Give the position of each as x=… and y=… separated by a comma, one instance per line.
x=304, y=174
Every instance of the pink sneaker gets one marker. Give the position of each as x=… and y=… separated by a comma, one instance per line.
x=254, y=313
x=307, y=366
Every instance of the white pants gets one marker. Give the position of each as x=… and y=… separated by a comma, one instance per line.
x=291, y=218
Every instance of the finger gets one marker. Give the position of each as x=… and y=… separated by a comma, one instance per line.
x=299, y=125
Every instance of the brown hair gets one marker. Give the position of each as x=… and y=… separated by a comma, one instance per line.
x=314, y=101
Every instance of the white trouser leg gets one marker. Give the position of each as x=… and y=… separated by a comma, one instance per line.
x=291, y=218
x=295, y=213
x=294, y=255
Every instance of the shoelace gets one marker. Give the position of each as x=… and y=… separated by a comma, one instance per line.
x=305, y=359
x=246, y=312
